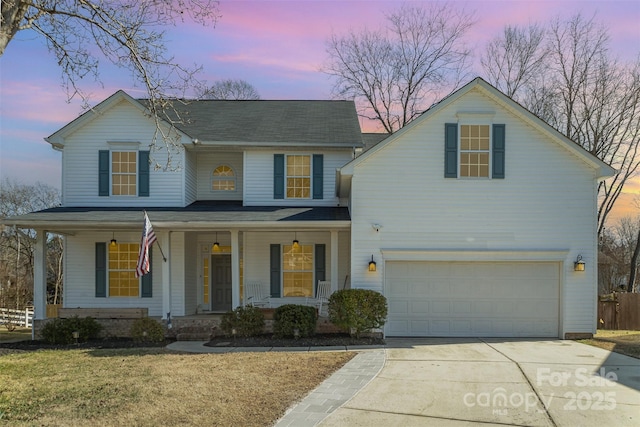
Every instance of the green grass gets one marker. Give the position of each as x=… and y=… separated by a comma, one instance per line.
x=150, y=387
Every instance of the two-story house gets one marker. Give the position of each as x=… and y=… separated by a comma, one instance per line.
x=477, y=219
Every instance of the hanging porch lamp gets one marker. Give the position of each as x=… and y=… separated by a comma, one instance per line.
x=216, y=244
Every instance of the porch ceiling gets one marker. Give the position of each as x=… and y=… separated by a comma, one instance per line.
x=197, y=216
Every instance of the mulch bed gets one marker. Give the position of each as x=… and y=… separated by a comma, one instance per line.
x=29, y=345
x=318, y=340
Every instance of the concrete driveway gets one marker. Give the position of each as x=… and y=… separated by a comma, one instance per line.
x=464, y=382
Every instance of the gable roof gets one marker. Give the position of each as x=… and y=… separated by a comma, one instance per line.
x=303, y=122
x=263, y=121
x=602, y=169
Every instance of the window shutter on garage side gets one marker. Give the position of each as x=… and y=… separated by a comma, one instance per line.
x=143, y=174
x=101, y=269
x=275, y=271
x=278, y=176
x=318, y=176
x=498, y=151
x=450, y=150
x=146, y=281
x=321, y=269
x=103, y=173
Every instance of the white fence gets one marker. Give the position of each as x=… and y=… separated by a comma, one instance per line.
x=16, y=317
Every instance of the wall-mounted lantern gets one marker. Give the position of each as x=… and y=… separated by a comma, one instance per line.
x=372, y=264
x=579, y=264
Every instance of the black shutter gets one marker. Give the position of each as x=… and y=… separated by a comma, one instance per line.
x=103, y=173
x=101, y=270
x=143, y=173
x=318, y=176
x=498, y=151
x=450, y=150
x=275, y=270
x=146, y=282
x=278, y=176
x=321, y=262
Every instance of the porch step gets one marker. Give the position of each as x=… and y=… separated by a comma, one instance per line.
x=193, y=336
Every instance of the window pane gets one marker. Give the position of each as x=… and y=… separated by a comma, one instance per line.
x=123, y=173
x=297, y=266
x=298, y=176
x=474, y=151
x=123, y=258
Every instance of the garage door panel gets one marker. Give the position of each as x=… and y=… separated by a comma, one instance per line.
x=472, y=299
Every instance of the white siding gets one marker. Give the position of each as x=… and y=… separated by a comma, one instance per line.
x=122, y=123
x=79, y=283
x=207, y=162
x=190, y=178
x=259, y=178
x=546, y=202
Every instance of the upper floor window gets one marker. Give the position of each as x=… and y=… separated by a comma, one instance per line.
x=124, y=173
x=224, y=179
x=298, y=177
x=474, y=151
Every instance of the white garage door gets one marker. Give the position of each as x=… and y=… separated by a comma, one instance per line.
x=472, y=299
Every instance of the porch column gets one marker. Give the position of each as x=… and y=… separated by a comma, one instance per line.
x=235, y=269
x=334, y=261
x=40, y=276
x=165, y=242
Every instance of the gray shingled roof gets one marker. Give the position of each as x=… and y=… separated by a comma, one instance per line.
x=299, y=122
x=370, y=140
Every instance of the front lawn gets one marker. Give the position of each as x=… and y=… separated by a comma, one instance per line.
x=18, y=334
x=151, y=387
x=624, y=342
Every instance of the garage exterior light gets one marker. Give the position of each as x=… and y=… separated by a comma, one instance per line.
x=372, y=264
x=579, y=264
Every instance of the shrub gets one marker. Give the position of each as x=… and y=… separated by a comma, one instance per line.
x=247, y=321
x=60, y=331
x=289, y=317
x=357, y=310
x=147, y=329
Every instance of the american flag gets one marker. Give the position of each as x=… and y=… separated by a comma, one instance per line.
x=148, y=238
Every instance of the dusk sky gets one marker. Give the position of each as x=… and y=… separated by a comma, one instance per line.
x=278, y=46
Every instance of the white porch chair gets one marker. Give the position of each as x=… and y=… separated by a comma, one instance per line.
x=323, y=292
x=256, y=295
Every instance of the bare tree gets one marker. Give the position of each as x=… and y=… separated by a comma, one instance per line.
x=584, y=93
x=17, y=245
x=230, y=89
x=127, y=33
x=396, y=73
x=515, y=59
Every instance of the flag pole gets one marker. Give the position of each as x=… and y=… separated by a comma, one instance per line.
x=164, y=258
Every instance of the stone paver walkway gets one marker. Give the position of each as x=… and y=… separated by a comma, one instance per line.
x=335, y=390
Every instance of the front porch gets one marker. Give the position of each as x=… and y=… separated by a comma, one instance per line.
x=285, y=250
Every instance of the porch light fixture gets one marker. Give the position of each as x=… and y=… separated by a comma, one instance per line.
x=579, y=264
x=216, y=245
x=114, y=242
x=296, y=243
x=372, y=264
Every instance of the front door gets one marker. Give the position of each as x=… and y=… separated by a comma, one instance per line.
x=221, y=282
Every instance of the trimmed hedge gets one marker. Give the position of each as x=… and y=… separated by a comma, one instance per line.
x=60, y=331
x=147, y=329
x=357, y=310
x=247, y=321
x=289, y=317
